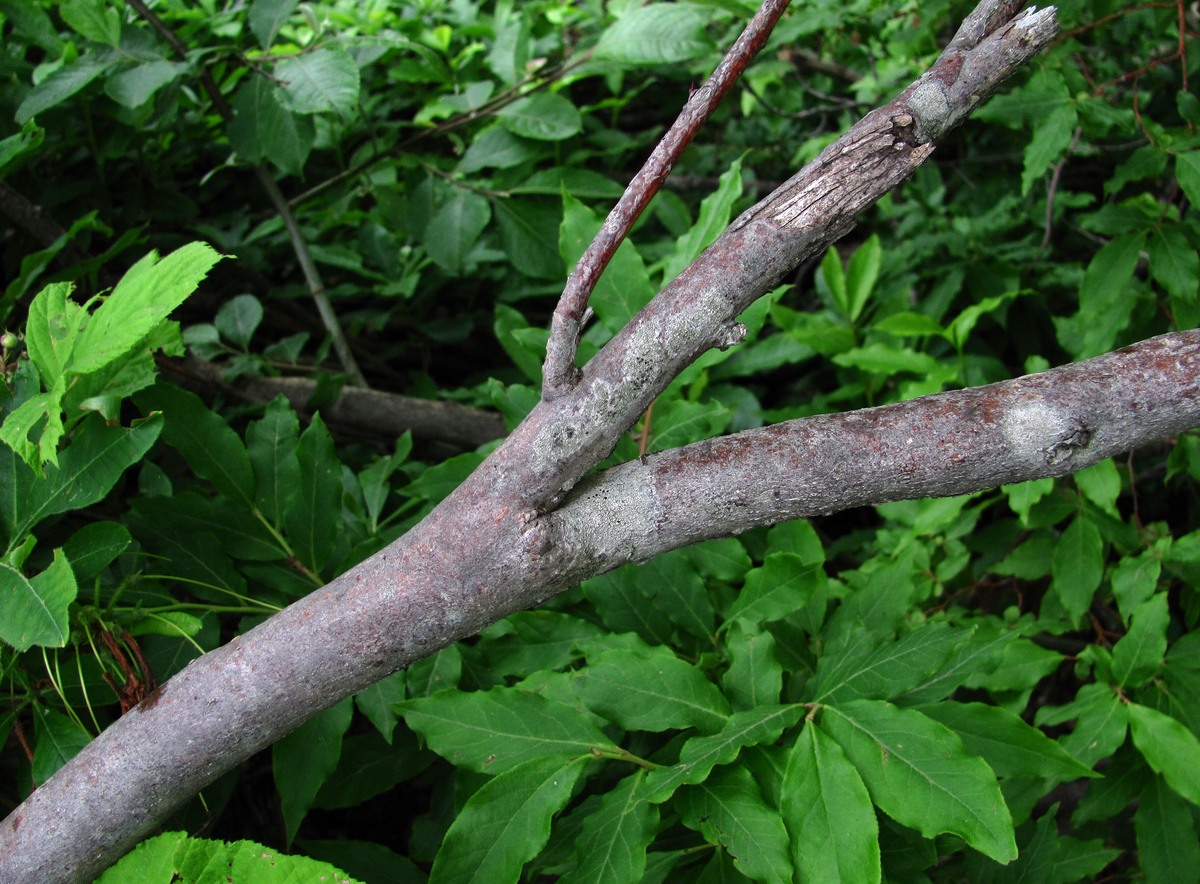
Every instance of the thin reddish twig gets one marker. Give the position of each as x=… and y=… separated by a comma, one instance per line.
x=560, y=373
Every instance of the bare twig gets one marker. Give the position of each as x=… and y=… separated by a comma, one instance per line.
x=308, y=267
x=560, y=373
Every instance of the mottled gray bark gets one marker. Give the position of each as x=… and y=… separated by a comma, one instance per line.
x=514, y=533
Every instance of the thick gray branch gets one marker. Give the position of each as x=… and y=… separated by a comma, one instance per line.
x=1047, y=424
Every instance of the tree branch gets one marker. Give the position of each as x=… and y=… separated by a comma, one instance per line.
x=495, y=545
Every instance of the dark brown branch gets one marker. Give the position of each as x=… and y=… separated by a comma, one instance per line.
x=560, y=373
x=374, y=412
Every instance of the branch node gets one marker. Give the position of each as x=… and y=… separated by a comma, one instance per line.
x=730, y=335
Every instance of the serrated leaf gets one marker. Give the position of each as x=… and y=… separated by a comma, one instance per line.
x=657, y=34
x=210, y=446
x=238, y=318
x=62, y=84
x=782, y=585
x=51, y=330
x=651, y=690
x=729, y=810
x=1168, y=747
x=134, y=87
x=888, y=670
x=529, y=233
x=271, y=447
x=324, y=81
x=1100, y=722
x=87, y=470
x=506, y=822
x=918, y=773
x=1137, y=656
x=543, y=116
x=1168, y=849
x=1078, y=566
x=144, y=297
x=1011, y=747
x=268, y=16
x=313, y=519
x=33, y=611
x=455, y=227
x=57, y=739
x=305, y=758
x=263, y=129
x=701, y=754
x=1174, y=262
x=612, y=844
x=755, y=675
x=496, y=730
x=835, y=836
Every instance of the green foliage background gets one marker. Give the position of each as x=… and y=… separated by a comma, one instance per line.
x=995, y=687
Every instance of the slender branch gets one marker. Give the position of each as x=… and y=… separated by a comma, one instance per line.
x=308, y=267
x=560, y=373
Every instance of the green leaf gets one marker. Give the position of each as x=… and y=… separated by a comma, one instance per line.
x=1134, y=581
x=624, y=287
x=57, y=739
x=93, y=19
x=94, y=547
x=238, y=318
x=657, y=34
x=832, y=277
x=324, y=81
x=651, y=690
x=1101, y=484
x=1168, y=747
x=51, y=331
x=144, y=297
x=376, y=703
x=497, y=730
x=919, y=774
x=263, y=129
x=529, y=233
x=1100, y=725
x=862, y=272
x=882, y=359
x=507, y=822
x=835, y=836
x=729, y=810
x=305, y=758
x=1078, y=566
x=61, y=85
x=1174, y=263
x=846, y=672
x=314, y=516
x=1137, y=656
x=781, y=586
x=1167, y=847
x=677, y=590
x=134, y=87
x=33, y=611
x=1051, y=137
x=455, y=227
x=268, y=16
x=271, y=448
x=1011, y=747
x=210, y=446
x=701, y=754
x=612, y=844
x=543, y=116
x=87, y=470
x=755, y=675
x=907, y=324
x=715, y=212
x=1104, y=307
x=1187, y=172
